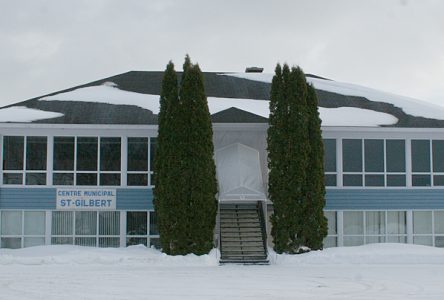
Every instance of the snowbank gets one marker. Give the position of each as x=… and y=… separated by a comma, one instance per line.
x=140, y=255
x=389, y=254
x=133, y=255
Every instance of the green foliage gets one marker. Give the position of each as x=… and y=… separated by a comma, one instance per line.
x=292, y=163
x=185, y=171
x=315, y=224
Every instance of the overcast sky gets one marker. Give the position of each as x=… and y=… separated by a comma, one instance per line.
x=391, y=45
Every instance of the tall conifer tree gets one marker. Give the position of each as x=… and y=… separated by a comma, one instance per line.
x=185, y=192
x=295, y=162
x=315, y=223
x=200, y=169
x=288, y=156
x=167, y=166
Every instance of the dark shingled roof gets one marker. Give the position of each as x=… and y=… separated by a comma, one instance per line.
x=76, y=112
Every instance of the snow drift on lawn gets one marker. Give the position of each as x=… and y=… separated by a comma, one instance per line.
x=409, y=105
x=25, y=114
x=109, y=93
x=140, y=255
x=68, y=254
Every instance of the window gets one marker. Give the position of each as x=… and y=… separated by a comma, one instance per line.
x=332, y=238
x=137, y=161
x=427, y=162
x=396, y=227
x=366, y=227
x=87, y=156
x=87, y=161
x=373, y=162
x=330, y=162
x=86, y=228
x=24, y=157
x=374, y=227
x=352, y=162
x=439, y=228
x=422, y=228
x=140, y=161
x=36, y=160
x=63, y=160
x=140, y=230
x=421, y=163
x=395, y=162
x=22, y=229
x=110, y=161
x=353, y=228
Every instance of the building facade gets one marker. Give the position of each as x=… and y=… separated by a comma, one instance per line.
x=84, y=175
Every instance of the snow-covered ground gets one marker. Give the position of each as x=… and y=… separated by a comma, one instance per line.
x=379, y=271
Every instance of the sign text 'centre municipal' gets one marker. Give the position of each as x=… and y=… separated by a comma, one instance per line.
x=86, y=199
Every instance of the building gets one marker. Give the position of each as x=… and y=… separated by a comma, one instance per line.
x=77, y=164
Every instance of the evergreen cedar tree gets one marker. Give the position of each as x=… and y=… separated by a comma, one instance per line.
x=185, y=172
x=295, y=162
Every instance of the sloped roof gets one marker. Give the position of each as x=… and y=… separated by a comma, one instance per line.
x=228, y=94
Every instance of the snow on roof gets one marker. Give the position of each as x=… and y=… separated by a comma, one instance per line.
x=410, y=106
x=25, y=114
x=352, y=116
x=109, y=93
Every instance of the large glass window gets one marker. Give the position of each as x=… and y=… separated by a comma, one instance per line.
x=332, y=238
x=13, y=149
x=22, y=229
x=439, y=228
x=141, y=231
x=421, y=163
x=374, y=227
x=13, y=153
x=330, y=162
x=141, y=151
x=36, y=160
x=87, y=153
x=374, y=162
x=352, y=155
x=63, y=163
x=396, y=227
x=352, y=162
x=353, y=228
x=86, y=228
x=81, y=161
x=110, y=154
x=16, y=160
x=110, y=150
x=422, y=228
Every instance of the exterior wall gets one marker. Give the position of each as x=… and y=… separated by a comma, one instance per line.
x=339, y=199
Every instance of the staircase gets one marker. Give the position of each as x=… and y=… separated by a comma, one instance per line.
x=242, y=233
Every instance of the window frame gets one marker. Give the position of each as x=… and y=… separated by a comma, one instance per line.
x=24, y=171
x=363, y=173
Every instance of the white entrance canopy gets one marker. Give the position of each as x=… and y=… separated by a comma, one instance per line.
x=239, y=174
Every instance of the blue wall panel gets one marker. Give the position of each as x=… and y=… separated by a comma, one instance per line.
x=45, y=198
x=385, y=199
x=135, y=199
x=28, y=198
x=142, y=199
